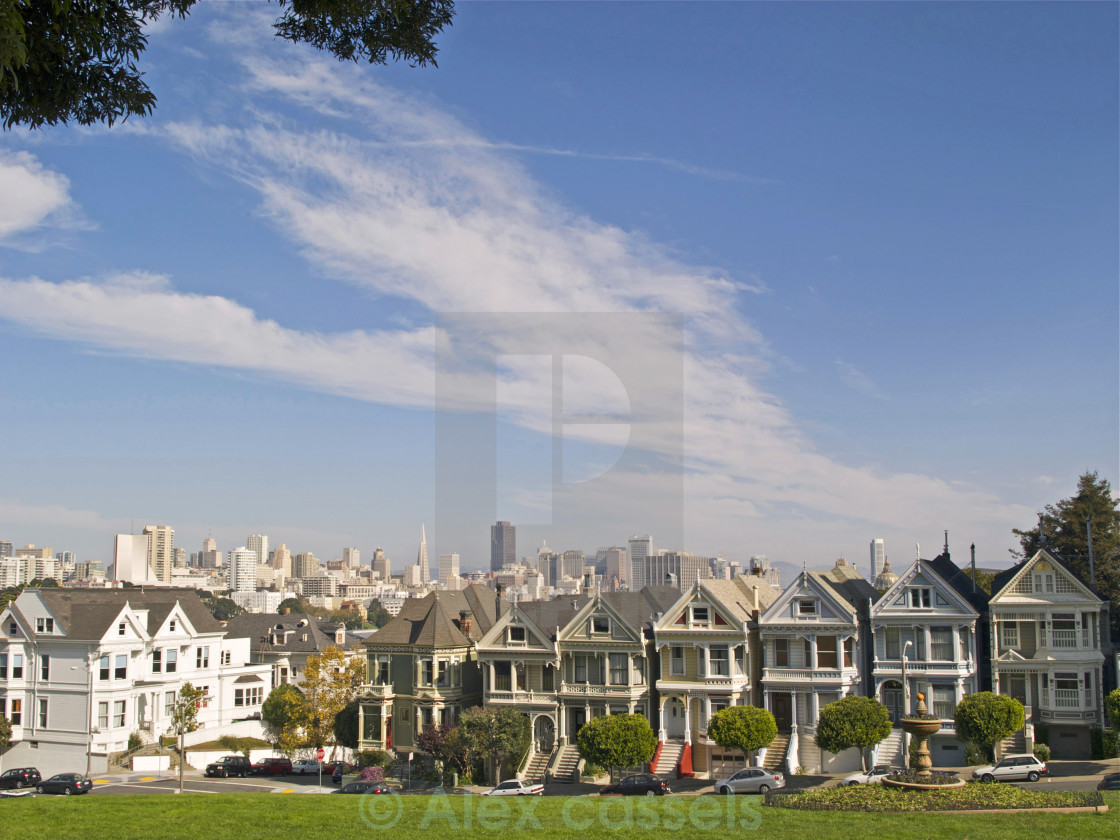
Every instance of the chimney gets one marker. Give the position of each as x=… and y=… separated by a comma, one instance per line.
x=466, y=620
x=498, y=602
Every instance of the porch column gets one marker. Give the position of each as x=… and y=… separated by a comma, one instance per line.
x=707, y=661
x=705, y=711
x=604, y=670
x=687, y=718
x=630, y=707
x=661, y=718
x=491, y=669
x=812, y=663
x=927, y=642
x=814, y=708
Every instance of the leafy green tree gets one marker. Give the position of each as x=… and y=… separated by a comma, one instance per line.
x=500, y=735
x=744, y=728
x=346, y=726
x=77, y=60
x=5, y=734
x=223, y=609
x=986, y=719
x=291, y=605
x=283, y=715
x=983, y=580
x=378, y=615
x=617, y=741
x=184, y=719
x=853, y=721
x=1064, y=524
x=1112, y=708
x=330, y=681
x=237, y=745
x=10, y=593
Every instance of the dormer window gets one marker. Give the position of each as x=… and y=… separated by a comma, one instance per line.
x=122, y=628
x=517, y=635
x=171, y=625
x=920, y=599
x=1044, y=583
x=44, y=625
x=13, y=629
x=600, y=624
x=806, y=606
x=700, y=616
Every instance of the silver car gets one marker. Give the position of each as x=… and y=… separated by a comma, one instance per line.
x=1012, y=768
x=751, y=780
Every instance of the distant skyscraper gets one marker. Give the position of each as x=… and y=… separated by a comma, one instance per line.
x=281, y=559
x=878, y=554
x=448, y=567
x=381, y=565
x=161, y=550
x=210, y=557
x=617, y=569
x=305, y=564
x=640, y=549
x=242, y=570
x=351, y=559
x=503, y=545
x=422, y=557
x=130, y=559
x=676, y=568
x=6, y=549
x=258, y=543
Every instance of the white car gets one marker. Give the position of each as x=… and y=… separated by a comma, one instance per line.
x=871, y=777
x=515, y=787
x=306, y=767
x=1010, y=768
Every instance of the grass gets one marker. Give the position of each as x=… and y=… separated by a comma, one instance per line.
x=881, y=798
x=257, y=744
x=308, y=817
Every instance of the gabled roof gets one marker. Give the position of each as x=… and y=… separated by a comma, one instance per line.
x=827, y=588
x=261, y=628
x=87, y=614
x=960, y=580
x=435, y=620
x=1005, y=578
x=926, y=570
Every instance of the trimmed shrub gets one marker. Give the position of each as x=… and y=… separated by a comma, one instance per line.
x=1110, y=743
x=1042, y=752
x=1042, y=733
x=134, y=741
x=374, y=758
x=974, y=755
x=372, y=774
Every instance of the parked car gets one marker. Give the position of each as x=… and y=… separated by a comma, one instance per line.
x=19, y=777
x=338, y=770
x=639, y=785
x=66, y=784
x=306, y=767
x=1012, y=768
x=515, y=787
x=1110, y=782
x=229, y=765
x=365, y=787
x=751, y=780
x=871, y=777
x=273, y=767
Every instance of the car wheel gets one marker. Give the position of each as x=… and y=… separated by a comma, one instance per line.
x=40, y=789
x=725, y=790
x=853, y=784
x=651, y=793
x=987, y=778
x=764, y=789
x=1032, y=776
x=66, y=791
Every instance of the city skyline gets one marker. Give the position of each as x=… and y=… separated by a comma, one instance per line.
x=887, y=233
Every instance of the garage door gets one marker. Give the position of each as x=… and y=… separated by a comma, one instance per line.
x=1069, y=742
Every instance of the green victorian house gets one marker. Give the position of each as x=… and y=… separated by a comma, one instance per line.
x=422, y=668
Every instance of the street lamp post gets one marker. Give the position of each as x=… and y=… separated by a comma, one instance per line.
x=90, y=728
x=905, y=685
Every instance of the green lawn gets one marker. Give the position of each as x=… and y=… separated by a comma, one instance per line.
x=308, y=817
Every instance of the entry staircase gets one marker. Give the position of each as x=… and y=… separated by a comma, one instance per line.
x=890, y=750
x=534, y=773
x=1015, y=744
x=566, y=764
x=669, y=760
x=776, y=752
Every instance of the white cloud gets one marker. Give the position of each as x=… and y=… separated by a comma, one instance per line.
x=857, y=380
x=33, y=195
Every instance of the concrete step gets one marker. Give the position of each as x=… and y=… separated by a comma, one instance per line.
x=776, y=752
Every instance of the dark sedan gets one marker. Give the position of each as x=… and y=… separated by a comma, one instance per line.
x=66, y=784
x=365, y=787
x=19, y=777
x=641, y=785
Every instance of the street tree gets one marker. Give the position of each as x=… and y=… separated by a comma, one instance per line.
x=5, y=733
x=345, y=727
x=1064, y=525
x=986, y=719
x=78, y=61
x=853, y=721
x=500, y=735
x=184, y=719
x=1112, y=708
x=743, y=728
x=617, y=741
x=283, y=715
x=330, y=681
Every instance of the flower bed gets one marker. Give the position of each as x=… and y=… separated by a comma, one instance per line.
x=972, y=797
x=912, y=779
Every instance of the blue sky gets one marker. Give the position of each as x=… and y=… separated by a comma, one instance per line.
x=890, y=230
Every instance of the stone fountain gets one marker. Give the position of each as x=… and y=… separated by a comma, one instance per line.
x=920, y=727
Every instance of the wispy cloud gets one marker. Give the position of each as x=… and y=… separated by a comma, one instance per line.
x=34, y=197
x=856, y=379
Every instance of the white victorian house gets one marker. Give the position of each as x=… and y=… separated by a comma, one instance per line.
x=1048, y=632
x=82, y=669
x=814, y=642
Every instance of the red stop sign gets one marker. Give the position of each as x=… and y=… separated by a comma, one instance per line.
x=320, y=753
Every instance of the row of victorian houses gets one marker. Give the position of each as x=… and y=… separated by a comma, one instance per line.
x=82, y=670
x=677, y=657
